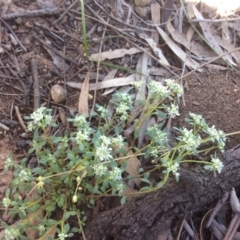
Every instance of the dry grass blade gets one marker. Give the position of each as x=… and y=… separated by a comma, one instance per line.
x=83, y=98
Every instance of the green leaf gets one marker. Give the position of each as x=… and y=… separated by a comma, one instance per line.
x=68, y=214
x=145, y=180
x=66, y=228
x=123, y=200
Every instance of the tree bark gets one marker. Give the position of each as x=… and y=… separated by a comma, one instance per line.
x=144, y=217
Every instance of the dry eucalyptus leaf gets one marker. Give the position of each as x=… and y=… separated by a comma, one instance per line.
x=132, y=167
x=118, y=53
x=83, y=98
x=116, y=82
x=58, y=93
x=178, y=51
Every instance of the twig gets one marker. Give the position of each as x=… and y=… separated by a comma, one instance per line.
x=100, y=20
x=54, y=50
x=4, y=127
x=34, y=13
x=20, y=119
x=98, y=65
x=64, y=13
x=36, y=88
x=212, y=60
x=215, y=20
x=10, y=29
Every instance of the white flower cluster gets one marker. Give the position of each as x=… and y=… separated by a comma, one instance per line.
x=198, y=120
x=11, y=233
x=62, y=236
x=173, y=111
x=216, y=165
x=8, y=164
x=102, y=110
x=157, y=88
x=216, y=136
x=81, y=121
x=174, y=87
x=104, y=151
x=120, y=186
x=171, y=167
x=25, y=174
x=40, y=118
x=100, y=169
x=83, y=135
x=115, y=174
x=190, y=140
x=124, y=105
x=157, y=135
x=6, y=202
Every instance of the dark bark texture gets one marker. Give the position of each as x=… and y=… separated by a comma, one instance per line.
x=146, y=216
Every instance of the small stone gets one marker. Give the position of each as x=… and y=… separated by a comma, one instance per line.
x=99, y=29
x=58, y=94
x=142, y=3
x=18, y=20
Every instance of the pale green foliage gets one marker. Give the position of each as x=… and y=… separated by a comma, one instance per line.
x=76, y=168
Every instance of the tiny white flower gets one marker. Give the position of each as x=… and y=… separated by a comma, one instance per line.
x=154, y=152
x=30, y=126
x=48, y=119
x=120, y=187
x=62, y=236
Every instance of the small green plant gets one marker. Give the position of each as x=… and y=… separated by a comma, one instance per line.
x=76, y=168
